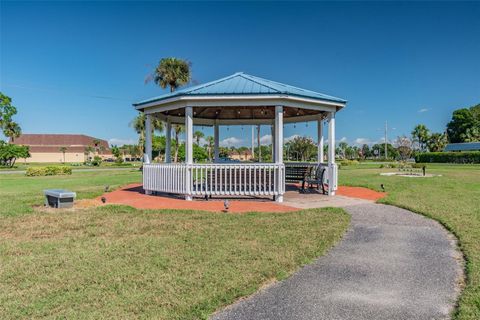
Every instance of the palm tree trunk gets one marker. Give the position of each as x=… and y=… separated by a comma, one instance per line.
x=176, y=147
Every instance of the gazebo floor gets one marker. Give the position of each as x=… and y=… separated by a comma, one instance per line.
x=133, y=195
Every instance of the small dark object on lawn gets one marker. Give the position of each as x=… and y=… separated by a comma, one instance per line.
x=104, y=199
x=226, y=204
x=423, y=169
x=383, y=188
x=106, y=188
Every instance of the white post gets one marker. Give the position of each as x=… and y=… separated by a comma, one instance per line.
x=188, y=149
x=279, y=149
x=331, y=154
x=272, y=133
x=253, y=142
x=168, y=143
x=147, y=158
x=319, y=140
x=216, y=144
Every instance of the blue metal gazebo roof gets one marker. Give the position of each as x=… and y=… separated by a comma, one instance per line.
x=243, y=84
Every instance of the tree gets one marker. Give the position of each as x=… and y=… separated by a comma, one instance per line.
x=117, y=153
x=209, y=146
x=420, y=135
x=437, y=142
x=404, y=147
x=10, y=128
x=197, y=135
x=464, y=126
x=9, y=153
x=343, y=148
x=177, y=129
x=365, y=151
x=172, y=72
x=96, y=144
x=88, y=150
x=378, y=149
x=138, y=124
x=63, y=150
x=302, y=147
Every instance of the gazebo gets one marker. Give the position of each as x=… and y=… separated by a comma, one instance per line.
x=239, y=99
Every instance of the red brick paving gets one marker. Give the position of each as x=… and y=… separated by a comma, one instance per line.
x=133, y=195
x=361, y=193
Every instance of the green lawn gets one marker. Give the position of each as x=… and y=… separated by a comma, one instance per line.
x=452, y=198
x=19, y=166
x=118, y=262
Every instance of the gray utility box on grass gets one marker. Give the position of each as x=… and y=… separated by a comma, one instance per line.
x=58, y=198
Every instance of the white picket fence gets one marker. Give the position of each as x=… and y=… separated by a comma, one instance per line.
x=255, y=179
x=226, y=179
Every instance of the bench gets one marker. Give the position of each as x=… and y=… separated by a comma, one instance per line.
x=298, y=173
x=307, y=174
x=316, y=179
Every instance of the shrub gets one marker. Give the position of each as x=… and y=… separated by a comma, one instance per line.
x=48, y=171
x=348, y=162
x=449, y=157
x=96, y=161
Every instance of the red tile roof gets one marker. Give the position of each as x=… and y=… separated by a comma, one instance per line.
x=53, y=142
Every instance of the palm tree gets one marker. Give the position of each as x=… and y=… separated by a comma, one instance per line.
x=198, y=135
x=138, y=124
x=343, y=146
x=209, y=146
x=88, y=151
x=172, y=72
x=63, y=150
x=177, y=129
x=12, y=130
x=437, y=142
x=420, y=134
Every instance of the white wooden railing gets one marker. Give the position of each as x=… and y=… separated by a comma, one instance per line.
x=231, y=179
x=165, y=177
x=254, y=179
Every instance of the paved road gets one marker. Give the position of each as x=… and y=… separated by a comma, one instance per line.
x=392, y=264
x=74, y=170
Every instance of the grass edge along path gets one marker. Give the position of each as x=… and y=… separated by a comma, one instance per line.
x=453, y=200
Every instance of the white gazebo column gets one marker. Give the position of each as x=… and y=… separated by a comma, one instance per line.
x=188, y=150
x=168, y=142
x=147, y=157
x=216, y=142
x=332, y=172
x=272, y=133
x=279, y=151
x=320, y=140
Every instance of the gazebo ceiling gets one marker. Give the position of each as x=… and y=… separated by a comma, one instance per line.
x=241, y=99
x=241, y=113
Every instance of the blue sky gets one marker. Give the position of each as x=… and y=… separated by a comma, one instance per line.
x=77, y=67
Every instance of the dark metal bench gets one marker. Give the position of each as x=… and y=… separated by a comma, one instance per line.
x=317, y=178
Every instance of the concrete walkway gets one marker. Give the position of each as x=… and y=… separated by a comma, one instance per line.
x=391, y=264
